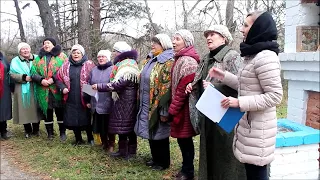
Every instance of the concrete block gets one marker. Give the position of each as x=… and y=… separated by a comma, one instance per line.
x=297, y=94
x=312, y=155
x=308, y=147
x=286, y=150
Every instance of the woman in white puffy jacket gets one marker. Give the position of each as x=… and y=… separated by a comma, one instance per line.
x=259, y=91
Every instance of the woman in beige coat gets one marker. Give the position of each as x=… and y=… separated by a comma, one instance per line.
x=259, y=91
x=24, y=105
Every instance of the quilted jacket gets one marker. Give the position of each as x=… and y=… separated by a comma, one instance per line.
x=259, y=90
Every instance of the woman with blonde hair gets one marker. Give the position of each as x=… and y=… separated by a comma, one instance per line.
x=259, y=91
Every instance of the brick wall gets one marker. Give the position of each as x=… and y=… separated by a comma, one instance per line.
x=313, y=110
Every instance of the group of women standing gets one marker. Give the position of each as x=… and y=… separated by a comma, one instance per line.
x=156, y=98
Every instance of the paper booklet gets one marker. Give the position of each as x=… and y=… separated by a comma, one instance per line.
x=87, y=88
x=209, y=104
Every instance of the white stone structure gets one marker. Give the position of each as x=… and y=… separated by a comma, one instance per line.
x=296, y=162
x=300, y=68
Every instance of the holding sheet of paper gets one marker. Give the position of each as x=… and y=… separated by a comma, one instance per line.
x=87, y=88
x=209, y=104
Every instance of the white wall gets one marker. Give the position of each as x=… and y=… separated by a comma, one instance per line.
x=297, y=162
x=298, y=15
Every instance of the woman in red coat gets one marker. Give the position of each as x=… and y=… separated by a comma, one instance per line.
x=182, y=73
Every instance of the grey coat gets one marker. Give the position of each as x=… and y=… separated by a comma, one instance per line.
x=104, y=104
x=21, y=114
x=216, y=161
x=142, y=125
x=5, y=100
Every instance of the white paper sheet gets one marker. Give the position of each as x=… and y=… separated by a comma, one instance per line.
x=209, y=104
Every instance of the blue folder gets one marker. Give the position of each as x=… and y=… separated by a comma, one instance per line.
x=230, y=119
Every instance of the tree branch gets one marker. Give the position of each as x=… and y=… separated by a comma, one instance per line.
x=118, y=33
x=9, y=14
x=149, y=17
x=193, y=7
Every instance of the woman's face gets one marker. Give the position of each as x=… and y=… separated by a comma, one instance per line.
x=25, y=52
x=246, y=26
x=102, y=60
x=76, y=55
x=178, y=43
x=114, y=54
x=155, y=47
x=215, y=40
x=47, y=46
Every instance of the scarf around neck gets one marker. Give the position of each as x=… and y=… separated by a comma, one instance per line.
x=64, y=76
x=104, y=66
x=21, y=67
x=261, y=36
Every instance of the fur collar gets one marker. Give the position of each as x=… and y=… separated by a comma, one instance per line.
x=133, y=54
x=55, y=51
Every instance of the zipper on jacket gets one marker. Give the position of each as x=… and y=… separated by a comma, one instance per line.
x=249, y=122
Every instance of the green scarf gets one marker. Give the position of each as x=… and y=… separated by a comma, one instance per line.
x=41, y=68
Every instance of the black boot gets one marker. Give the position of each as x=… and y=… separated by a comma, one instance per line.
x=27, y=130
x=132, y=150
x=35, y=129
x=62, y=129
x=123, y=150
x=3, y=130
x=49, y=128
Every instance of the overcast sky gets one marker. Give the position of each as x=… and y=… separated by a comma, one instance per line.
x=162, y=12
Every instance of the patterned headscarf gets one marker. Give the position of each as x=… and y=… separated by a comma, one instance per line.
x=186, y=36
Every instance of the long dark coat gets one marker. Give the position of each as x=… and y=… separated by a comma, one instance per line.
x=75, y=114
x=217, y=161
x=5, y=100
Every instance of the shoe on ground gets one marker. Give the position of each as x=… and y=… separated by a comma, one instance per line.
x=5, y=136
x=77, y=143
x=63, y=137
x=150, y=163
x=27, y=135
x=50, y=137
x=36, y=133
x=158, y=168
x=185, y=177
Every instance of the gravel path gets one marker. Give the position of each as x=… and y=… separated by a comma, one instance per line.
x=10, y=172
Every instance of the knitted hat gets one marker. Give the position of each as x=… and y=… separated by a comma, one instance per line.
x=53, y=41
x=78, y=47
x=221, y=29
x=165, y=41
x=106, y=53
x=121, y=46
x=186, y=36
x=23, y=45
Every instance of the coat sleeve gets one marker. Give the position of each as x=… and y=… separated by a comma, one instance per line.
x=267, y=69
x=113, y=86
x=230, y=80
x=18, y=78
x=60, y=85
x=37, y=78
x=180, y=96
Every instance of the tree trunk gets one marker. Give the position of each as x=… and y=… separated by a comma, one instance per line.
x=22, y=35
x=84, y=29
x=229, y=16
x=50, y=30
x=96, y=36
x=58, y=21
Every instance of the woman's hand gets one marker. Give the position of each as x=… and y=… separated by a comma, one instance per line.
x=188, y=88
x=28, y=79
x=216, y=73
x=230, y=102
x=94, y=86
x=163, y=118
x=205, y=84
x=65, y=91
x=50, y=81
x=45, y=83
x=88, y=105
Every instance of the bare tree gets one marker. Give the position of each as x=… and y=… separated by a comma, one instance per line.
x=84, y=28
x=50, y=29
x=187, y=13
x=22, y=35
x=229, y=16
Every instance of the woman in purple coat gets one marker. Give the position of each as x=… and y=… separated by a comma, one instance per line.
x=102, y=107
x=124, y=85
